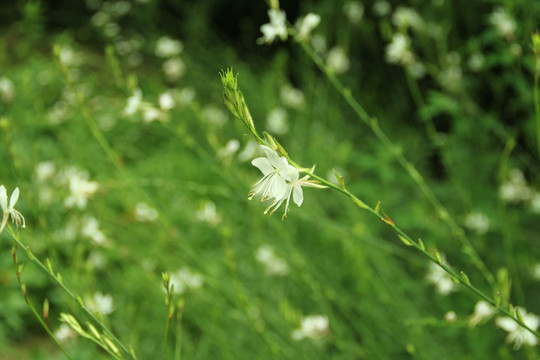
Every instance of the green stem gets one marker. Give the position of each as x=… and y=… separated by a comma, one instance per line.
x=372, y=123
x=537, y=101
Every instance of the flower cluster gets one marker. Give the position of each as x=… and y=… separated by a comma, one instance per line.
x=9, y=209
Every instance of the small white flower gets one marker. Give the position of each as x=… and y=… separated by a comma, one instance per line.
x=312, y=327
x=186, y=96
x=503, y=23
x=150, y=114
x=276, y=27
x=90, y=229
x=441, y=279
x=337, y=60
x=166, y=101
x=273, y=264
x=9, y=209
x=450, y=317
x=249, y=151
x=229, y=149
x=354, y=11
x=80, y=188
x=45, y=170
x=101, y=303
x=143, y=212
x=276, y=121
x=64, y=332
x=185, y=279
x=167, y=47
x=405, y=17
x=291, y=96
x=515, y=189
x=517, y=334
x=214, y=115
x=208, y=214
x=173, y=69
x=477, y=222
x=306, y=24
x=133, y=103
x=482, y=311
x=7, y=89
x=398, y=51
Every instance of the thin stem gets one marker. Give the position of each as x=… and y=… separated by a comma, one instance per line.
x=443, y=214
x=537, y=100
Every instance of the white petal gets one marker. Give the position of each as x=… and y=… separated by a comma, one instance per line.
x=272, y=156
x=264, y=165
x=298, y=195
x=506, y=323
x=14, y=197
x=293, y=173
x=280, y=188
x=3, y=198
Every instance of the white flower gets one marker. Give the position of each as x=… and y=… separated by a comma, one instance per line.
x=279, y=180
x=214, y=115
x=174, y=68
x=186, y=96
x=503, y=23
x=482, y=310
x=306, y=24
x=517, y=334
x=101, y=303
x=276, y=27
x=398, y=51
x=185, y=279
x=64, y=332
x=133, y=103
x=249, y=151
x=150, y=113
x=450, y=317
x=80, y=189
x=166, y=101
x=208, y=213
x=276, y=121
x=477, y=222
x=354, y=11
x=337, y=60
x=143, y=212
x=90, y=229
x=9, y=210
x=45, y=170
x=404, y=17
x=167, y=47
x=291, y=96
x=229, y=149
x=7, y=89
x=313, y=327
x=273, y=264
x=441, y=279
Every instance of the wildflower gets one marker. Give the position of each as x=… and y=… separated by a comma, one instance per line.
x=173, y=68
x=208, y=213
x=291, y=96
x=186, y=96
x=150, y=113
x=167, y=47
x=516, y=333
x=80, y=189
x=166, y=101
x=63, y=333
x=382, y=8
x=273, y=264
x=90, y=229
x=185, y=279
x=405, y=17
x=277, y=121
x=477, y=222
x=45, y=170
x=450, y=317
x=276, y=27
x=101, y=303
x=9, y=210
x=143, y=212
x=337, y=60
x=313, y=327
x=354, y=11
x=7, y=90
x=133, y=102
x=441, y=279
x=482, y=310
x=503, y=22
x=306, y=24
x=229, y=149
x=398, y=51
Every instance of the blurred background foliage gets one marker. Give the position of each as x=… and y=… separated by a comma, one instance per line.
x=129, y=166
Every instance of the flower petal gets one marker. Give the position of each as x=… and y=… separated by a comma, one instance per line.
x=3, y=198
x=14, y=197
x=264, y=165
x=298, y=195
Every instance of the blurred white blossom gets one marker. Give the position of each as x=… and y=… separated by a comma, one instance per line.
x=173, y=69
x=100, y=303
x=477, y=222
x=45, y=170
x=90, y=229
x=167, y=47
x=7, y=89
x=208, y=213
x=517, y=334
x=306, y=24
x=312, y=327
x=441, y=279
x=291, y=96
x=276, y=121
x=185, y=279
x=133, y=103
x=80, y=188
x=166, y=101
x=275, y=28
x=273, y=264
x=476, y=62
x=515, y=189
x=214, y=115
x=450, y=317
x=337, y=60
x=482, y=311
x=144, y=212
x=249, y=151
x=503, y=22
x=64, y=332
x=405, y=17
x=229, y=149
x=382, y=8
x=186, y=96
x=318, y=42
x=354, y=10
x=398, y=51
